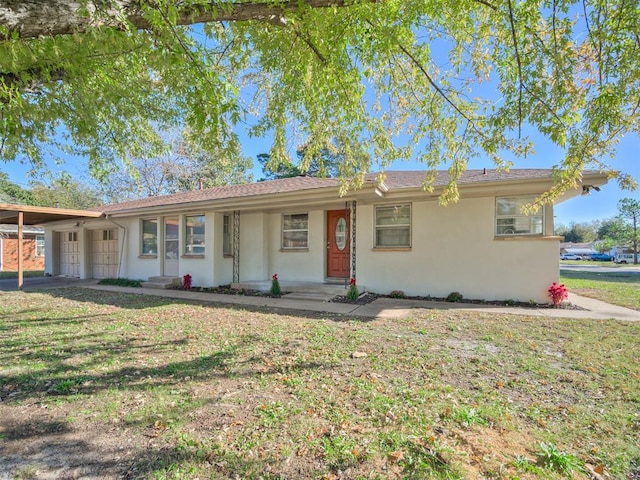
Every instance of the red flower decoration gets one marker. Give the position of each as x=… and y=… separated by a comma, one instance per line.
x=558, y=293
x=352, y=281
x=275, y=277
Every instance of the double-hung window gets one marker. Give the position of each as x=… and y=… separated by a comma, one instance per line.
x=194, y=235
x=295, y=231
x=511, y=220
x=39, y=246
x=393, y=226
x=150, y=237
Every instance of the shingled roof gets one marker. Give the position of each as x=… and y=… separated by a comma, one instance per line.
x=393, y=180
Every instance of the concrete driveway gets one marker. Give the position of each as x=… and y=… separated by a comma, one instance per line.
x=39, y=283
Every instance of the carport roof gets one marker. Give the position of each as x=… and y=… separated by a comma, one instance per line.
x=9, y=213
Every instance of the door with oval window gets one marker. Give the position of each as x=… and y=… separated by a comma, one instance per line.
x=338, y=244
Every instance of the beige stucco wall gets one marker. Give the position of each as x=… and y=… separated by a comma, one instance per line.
x=454, y=249
x=254, y=247
x=298, y=265
x=222, y=266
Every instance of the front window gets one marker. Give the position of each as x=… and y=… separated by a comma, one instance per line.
x=194, y=235
x=39, y=246
x=295, y=231
x=227, y=236
x=150, y=237
x=393, y=226
x=510, y=219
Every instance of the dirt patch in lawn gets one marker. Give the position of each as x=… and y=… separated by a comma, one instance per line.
x=105, y=385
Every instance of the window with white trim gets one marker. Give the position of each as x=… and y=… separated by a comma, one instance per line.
x=393, y=226
x=511, y=220
x=295, y=231
x=194, y=235
x=150, y=237
x=39, y=246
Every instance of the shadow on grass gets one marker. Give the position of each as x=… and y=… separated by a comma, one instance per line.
x=57, y=450
x=142, y=300
x=82, y=363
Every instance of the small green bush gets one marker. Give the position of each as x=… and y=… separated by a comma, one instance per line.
x=275, y=286
x=454, y=297
x=353, y=293
x=397, y=294
x=121, y=282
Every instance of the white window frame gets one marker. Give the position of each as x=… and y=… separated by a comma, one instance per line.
x=284, y=231
x=519, y=218
x=142, y=232
x=186, y=234
x=39, y=250
x=377, y=227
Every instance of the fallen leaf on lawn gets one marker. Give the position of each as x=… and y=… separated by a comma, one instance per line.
x=395, y=457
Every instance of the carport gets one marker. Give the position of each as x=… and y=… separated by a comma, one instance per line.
x=30, y=215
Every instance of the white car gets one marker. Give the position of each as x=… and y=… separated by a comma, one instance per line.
x=570, y=256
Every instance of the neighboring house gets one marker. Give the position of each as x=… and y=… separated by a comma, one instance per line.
x=32, y=244
x=582, y=249
x=390, y=236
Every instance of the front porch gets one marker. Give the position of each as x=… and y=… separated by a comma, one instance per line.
x=293, y=290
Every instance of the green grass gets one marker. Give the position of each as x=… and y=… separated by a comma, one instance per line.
x=25, y=274
x=174, y=389
x=612, y=287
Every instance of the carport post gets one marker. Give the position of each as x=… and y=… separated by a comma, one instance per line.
x=20, y=250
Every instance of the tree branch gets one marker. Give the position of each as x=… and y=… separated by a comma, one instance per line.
x=517, y=53
x=64, y=17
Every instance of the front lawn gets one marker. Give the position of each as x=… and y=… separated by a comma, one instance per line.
x=617, y=288
x=25, y=274
x=110, y=385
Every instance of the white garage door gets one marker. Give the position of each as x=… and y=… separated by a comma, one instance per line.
x=69, y=254
x=104, y=253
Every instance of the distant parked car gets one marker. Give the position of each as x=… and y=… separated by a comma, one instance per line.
x=601, y=257
x=570, y=256
x=625, y=258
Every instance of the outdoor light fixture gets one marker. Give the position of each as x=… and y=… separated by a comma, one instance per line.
x=586, y=189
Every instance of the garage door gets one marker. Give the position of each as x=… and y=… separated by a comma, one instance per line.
x=104, y=253
x=69, y=254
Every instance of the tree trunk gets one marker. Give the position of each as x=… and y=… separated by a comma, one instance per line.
x=34, y=18
x=635, y=240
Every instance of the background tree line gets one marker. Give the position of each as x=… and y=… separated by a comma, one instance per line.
x=619, y=231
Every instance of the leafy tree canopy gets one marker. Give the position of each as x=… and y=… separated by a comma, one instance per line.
x=65, y=192
x=13, y=193
x=439, y=81
x=325, y=161
x=185, y=166
x=629, y=215
x=582, y=232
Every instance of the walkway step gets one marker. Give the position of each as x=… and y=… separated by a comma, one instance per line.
x=330, y=290
x=162, y=282
x=309, y=296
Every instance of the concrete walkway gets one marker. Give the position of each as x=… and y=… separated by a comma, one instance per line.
x=379, y=308
x=388, y=307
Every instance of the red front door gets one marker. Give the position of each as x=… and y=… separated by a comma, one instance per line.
x=338, y=245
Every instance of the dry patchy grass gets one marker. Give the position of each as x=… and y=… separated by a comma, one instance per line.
x=97, y=384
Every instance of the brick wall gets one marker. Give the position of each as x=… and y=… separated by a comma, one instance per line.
x=10, y=255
